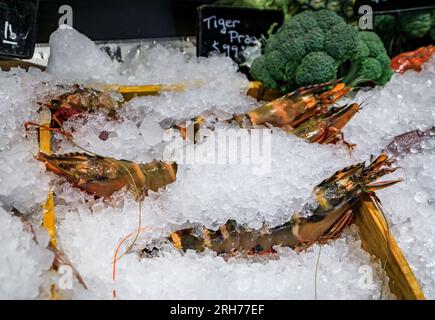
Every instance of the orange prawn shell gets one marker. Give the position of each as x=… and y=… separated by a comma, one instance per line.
x=102, y=176
x=412, y=59
x=294, y=108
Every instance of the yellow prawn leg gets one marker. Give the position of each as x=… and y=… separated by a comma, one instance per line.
x=131, y=91
x=48, y=216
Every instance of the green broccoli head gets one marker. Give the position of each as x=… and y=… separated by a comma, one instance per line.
x=415, y=24
x=315, y=67
x=312, y=46
x=384, y=23
x=340, y=41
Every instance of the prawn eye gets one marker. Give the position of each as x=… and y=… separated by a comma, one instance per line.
x=63, y=166
x=315, y=218
x=101, y=178
x=331, y=97
x=55, y=103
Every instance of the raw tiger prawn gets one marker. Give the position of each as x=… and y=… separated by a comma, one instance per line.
x=102, y=176
x=77, y=100
x=81, y=99
x=321, y=219
x=288, y=112
x=307, y=112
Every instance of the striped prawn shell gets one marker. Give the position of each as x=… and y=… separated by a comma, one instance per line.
x=323, y=219
x=296, y=107
x=102, y=176
x=326, y=128
x=286, y=112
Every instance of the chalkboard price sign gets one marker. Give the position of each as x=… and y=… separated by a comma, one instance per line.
x=229, y=30
x=17, y=28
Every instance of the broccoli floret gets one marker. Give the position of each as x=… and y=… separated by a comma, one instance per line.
x=259, y=71
x=340, y=41
x=415, y=24
x=374, y=67
x=326, y=19
x=314, y=47
x=387, y=71
x=275, y=63
x=384, y=60
x=314, y=40
x=306, y=20
x=386, y=76
x=370, y=69
x=360, y=52
x=291, y=48
x=316, y=67
x=290, y=70
x=373, y=42
x=292, y=25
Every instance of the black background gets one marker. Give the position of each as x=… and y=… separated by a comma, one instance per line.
x=392, y=5
x=275, y=310
x=119, y=20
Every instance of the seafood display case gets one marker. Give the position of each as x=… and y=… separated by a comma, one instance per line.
x=268, y=149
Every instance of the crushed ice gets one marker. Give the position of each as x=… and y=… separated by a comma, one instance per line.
x=89, y=229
